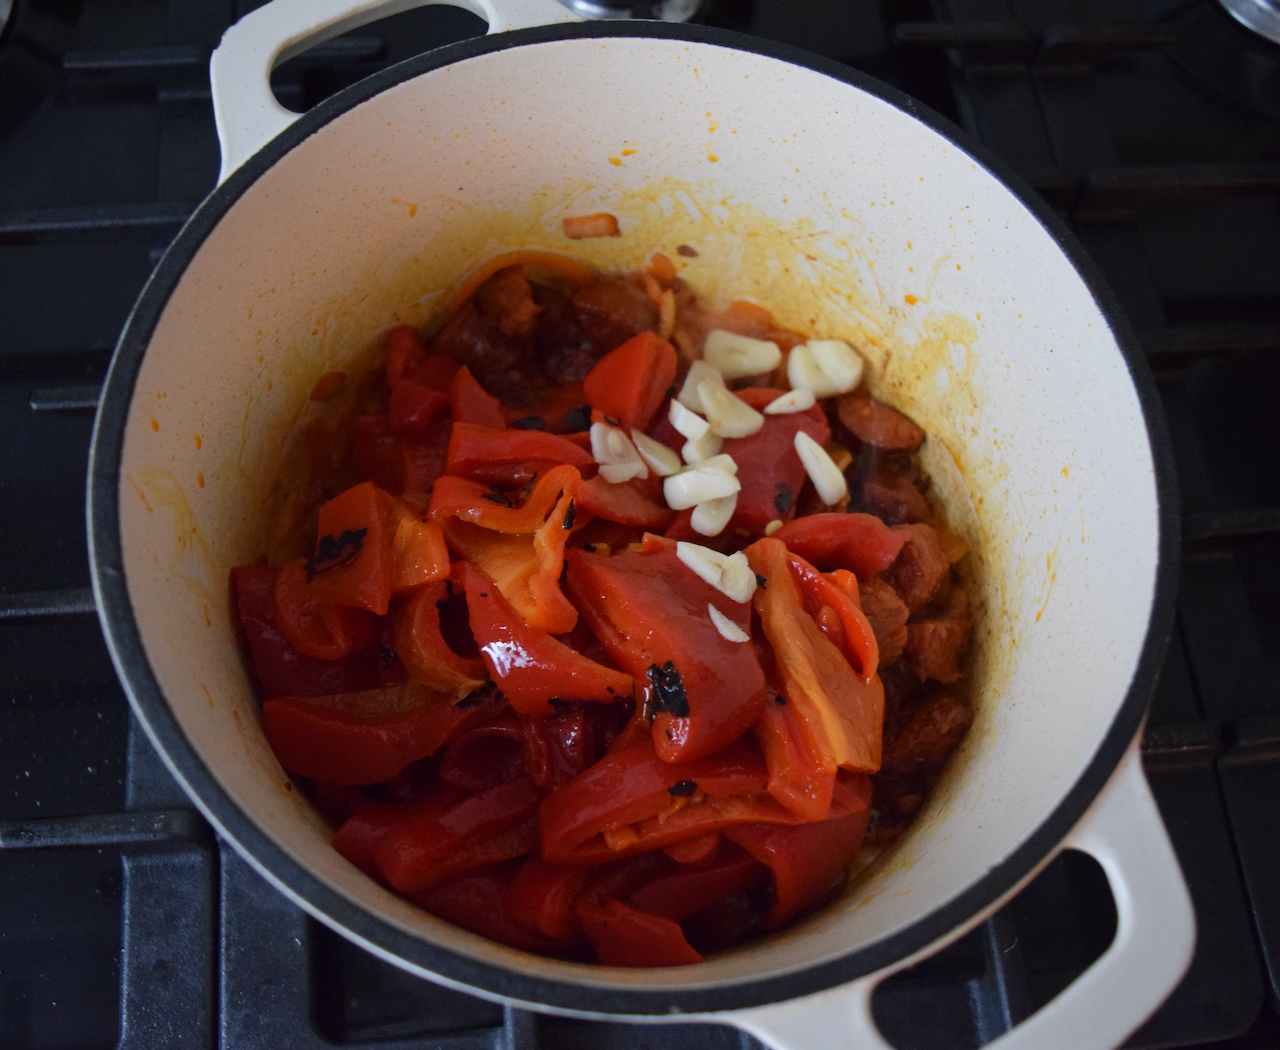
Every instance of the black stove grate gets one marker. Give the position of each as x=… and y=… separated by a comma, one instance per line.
x=1150, y=124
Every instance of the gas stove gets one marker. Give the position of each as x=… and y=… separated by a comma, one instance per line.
x=1152, y=126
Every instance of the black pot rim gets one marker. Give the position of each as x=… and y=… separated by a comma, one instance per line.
x=129, y=653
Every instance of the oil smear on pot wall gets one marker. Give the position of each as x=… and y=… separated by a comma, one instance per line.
x=842, y=215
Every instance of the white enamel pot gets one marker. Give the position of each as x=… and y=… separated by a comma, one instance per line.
x=829, y=198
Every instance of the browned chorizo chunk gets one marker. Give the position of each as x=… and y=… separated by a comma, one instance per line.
x=920, y=567
x=611, y=310
x=934, y=648
x=887, y=614
x=893, y=499
x=508, y=299
x=925, y=738
x=877, y=424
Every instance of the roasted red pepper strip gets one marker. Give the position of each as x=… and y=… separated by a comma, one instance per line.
x=860, y=542
x=649, y=611
x=629, y=503
x=689, y=888
x=772, y=474
x=530, y=667
x=417, y=854
x=839, y=717
x=541, y=898
x=630, y=381
x=422, y=648
x=508, y=456
x=853, y=635
x=405, y=352
x=625, y=804
x=344, y=745
x=471, y=403
x=481, y=505
x=319, y=629
x=362, y=831
x=418, y=551
x=414, y=408
x=623, y=936
x=809, y=859
x=800, y=777
x=279, y=668
x=353, y=564
x=485, y=756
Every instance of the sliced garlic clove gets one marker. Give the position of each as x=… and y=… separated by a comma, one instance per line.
x=707, y=563
x=803, y=372
x=737, y=580
x=735, y=356
x=710, y=517
x=612, y=449
x=702, y=448
x=821, y=468
x=699, y=372
x=838, y=361
x=686, y=421
x=729, y=415
x=773, y=526
x=797, y=400
x=729, y=630
x=721, y=462
x=699, y=483
x=662, y=461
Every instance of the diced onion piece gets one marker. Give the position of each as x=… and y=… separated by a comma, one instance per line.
x=729, y=415
x=729, y=630
x=736, y=355
x=821, y=468
x=662, y=461
x=697, y=484
x=699, y=372
x=796, y=400
x=686, y=421
x=710, y=517
x=825, y=366
x=612, y=449
x=731, y=575
x=702, y=448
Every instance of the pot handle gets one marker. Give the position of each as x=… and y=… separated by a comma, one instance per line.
x=1153, y=946
x=245, y=111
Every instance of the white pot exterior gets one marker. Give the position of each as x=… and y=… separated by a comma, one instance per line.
x=834, y=208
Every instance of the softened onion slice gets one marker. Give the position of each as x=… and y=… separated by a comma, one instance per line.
x=729, y=630
x=730, y=574
x=821, y=468
x=729, y=415
x=713, y=478
x=612, y=449
x=662, y=461
x=736, y=356
x=797, y=400
x=699, y=373
x=710, y=517
x=825, y=366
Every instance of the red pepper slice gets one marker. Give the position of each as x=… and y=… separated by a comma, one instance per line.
x=650, y=613
x=422, y=648
x=422, y=459
x=485, y=756
x=630, y=381
x=629, y=503
x=541, y=897
x=405, y=352
x=800, y=776
x=772, y=474
x=375, y=451
x=414, y=408
x=419, y=853
x=860, y=542
x=360, y=833
x=471, y=403
x=809, y=859
x=353, y=564
x=508, y=457
x=558, y=748
x=530, y=667
x=692, y=887
x=336, y=739
x=418, y=550
x=279, y=668
x=319, y=629
x=623, y=936
x=848, y=628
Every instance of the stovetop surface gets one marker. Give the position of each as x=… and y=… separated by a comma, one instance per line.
x=1153, y=126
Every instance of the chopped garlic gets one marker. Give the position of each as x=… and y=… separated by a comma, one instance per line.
x=773, y=526
x=736, y=355
x=702, y=448
x=825, y=366
x=727, y=413
x=612, y=449
x=710, y=517
x=687, y=422
x=699, y=372
x=731, y=575
x=699, y=483
x=821, y=468
x=662, y=461
x=729, y=630
x=796, y=400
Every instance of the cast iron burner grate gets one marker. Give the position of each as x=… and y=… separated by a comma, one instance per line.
x=126, y=922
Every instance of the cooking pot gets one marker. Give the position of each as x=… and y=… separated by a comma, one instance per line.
x=846, y=209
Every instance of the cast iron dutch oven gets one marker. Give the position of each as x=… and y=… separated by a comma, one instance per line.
x=846, y=209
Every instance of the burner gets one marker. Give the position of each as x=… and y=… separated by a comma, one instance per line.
x=663, y=10
x=1262, y=16
x=1226, y=58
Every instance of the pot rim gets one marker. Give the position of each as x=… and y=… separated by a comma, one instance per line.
x=128, y=652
